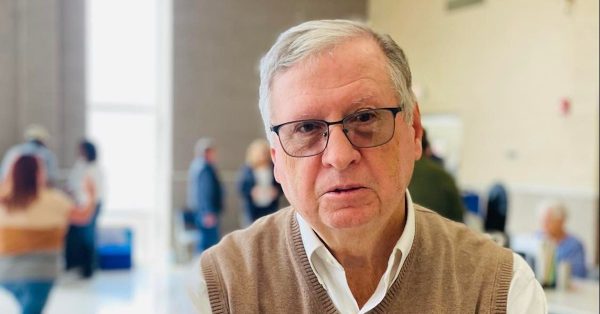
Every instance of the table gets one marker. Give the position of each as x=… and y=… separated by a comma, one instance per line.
x=580, y=298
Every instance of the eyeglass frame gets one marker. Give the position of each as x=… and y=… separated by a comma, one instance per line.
x=393, y=110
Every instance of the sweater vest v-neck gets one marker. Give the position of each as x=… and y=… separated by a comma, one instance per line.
x=264, y=269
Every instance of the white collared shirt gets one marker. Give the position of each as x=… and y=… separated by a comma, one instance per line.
x=332, y=276
x=525, y=295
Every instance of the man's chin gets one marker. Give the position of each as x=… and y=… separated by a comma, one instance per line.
x=347, y=218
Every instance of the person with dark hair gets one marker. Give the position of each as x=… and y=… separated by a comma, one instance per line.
x=345, y=131
x=205, y=193
x=80, y=249
x=433, y=187
x=428, y=151
x=496, y=209
x=36, y=139
x=88, y=151
x=33, y=219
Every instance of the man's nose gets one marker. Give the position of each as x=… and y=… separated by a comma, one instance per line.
x=340, y=153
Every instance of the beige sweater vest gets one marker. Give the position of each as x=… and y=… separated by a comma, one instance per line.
x=264, y=269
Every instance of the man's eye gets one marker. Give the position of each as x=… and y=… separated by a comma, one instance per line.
x=363, y=117
x=308, y=127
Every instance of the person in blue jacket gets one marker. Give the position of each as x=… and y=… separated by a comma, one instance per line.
x=205, y=193
x=258, y=189
x=568, y=247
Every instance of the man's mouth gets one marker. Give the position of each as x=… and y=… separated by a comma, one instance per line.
x=345, y=189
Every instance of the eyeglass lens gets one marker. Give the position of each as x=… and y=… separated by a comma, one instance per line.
x=368, y=128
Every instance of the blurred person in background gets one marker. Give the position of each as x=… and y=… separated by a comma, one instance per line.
x=433, y=187
x=257, y=186
x=496, y=208
x=568, y=248
x=36, y=140
x=205, y=193
x=428, y=150
x=80, y=246
x=33, y=220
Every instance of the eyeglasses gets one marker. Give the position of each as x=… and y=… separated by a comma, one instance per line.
x=364, y=129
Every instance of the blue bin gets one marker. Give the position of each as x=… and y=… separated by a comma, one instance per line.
x=471, y=202
x=114, y=248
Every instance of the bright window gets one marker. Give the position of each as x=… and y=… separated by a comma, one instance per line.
x=128, y=86
x=122, y=98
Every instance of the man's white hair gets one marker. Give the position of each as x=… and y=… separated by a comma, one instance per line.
x=310, y=38
x=202, y=145
x=555, y=208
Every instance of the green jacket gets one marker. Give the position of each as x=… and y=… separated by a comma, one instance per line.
x=433, y=187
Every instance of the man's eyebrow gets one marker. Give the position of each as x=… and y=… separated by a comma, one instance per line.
x=362, y=100
x=305, y=116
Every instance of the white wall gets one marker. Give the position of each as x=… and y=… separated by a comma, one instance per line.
x=42, y=76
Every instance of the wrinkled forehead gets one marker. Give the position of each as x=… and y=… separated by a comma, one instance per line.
x=353, y=45
x=356, y=69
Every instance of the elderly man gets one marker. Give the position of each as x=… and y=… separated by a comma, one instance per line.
x=345, y=131
x=568, y=248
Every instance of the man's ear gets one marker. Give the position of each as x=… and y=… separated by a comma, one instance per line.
x=275, y=165
x=418, y=128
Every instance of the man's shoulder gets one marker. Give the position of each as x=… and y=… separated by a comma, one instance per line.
x=262, y=269
x=451, y=245
x=428, y=216
x=262, y=236
x=266, y=227
x=446, y=234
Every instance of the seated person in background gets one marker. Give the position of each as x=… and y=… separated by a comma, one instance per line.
x=33, y=221
x=433, y=187
x=553, y=216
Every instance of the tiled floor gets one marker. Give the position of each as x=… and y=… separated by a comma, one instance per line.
x=158, y=290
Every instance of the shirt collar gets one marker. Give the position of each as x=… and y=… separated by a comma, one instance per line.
x=312, y=243
x=408, y=235
x=310, y=240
